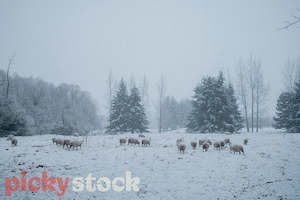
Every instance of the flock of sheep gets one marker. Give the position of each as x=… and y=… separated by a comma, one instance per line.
x=13, y=140
x=205, y=144
x=133, y=141
x=67, y=143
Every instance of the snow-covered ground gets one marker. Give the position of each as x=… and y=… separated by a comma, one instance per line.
x=270, y=168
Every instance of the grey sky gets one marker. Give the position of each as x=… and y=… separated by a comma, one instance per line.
x=79, y=41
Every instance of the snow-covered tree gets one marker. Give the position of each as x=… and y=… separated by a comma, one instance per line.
x=119, y=114
x=214, y=107
x=235, y=118
x=10, y=121
x=137, y=116
x=296, y=108
x=288, y=110
x=127, y=111
x=284, y=111
x=46, y=108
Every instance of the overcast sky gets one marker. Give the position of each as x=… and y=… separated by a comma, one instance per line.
x=78, y=42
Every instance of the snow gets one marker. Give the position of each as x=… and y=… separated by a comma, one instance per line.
x=270, y=168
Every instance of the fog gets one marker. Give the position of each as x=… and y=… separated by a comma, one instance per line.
x=79, y=42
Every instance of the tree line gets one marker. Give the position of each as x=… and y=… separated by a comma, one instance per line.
x=30, y=106
x=33, y=106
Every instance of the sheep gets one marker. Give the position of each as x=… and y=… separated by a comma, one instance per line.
x=131, y=141
x=141, y=136
x=10, y=137
x=59, y=142
x=205, y=147
x=14, y=141
x=236, y=148
x=217, y=145
x=245, y=141
x=179, y=141
x=227, y=141
x=76, y=144
x=136, y=142
x=194, y=145
x=67, y=143
x=222, y=144
x=201, y=142
x=181, y=148
x=54, y=140
x=122, y=141
x=145, y=142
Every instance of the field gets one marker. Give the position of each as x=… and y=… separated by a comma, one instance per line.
x=270, y=168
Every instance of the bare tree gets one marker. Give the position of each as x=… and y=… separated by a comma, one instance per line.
x=252, y=91
x=243, y=90
x=145, y=90
x=110, y=83
x=291, y=74
x=252, y=65
x=7, y=75
x=261, y=92
x=145, y=95
x=161, y=95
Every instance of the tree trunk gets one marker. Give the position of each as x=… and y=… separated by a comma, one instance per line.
x=257, y=109
x=246, y=114
x=252, y=109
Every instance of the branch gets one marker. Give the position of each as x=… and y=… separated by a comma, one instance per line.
x=7, y=74
x=291, y=23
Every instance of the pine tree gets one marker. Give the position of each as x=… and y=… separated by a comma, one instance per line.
x=285, y=111
x=137, y=117
x=214, y=107
x=235, y=120
x=296, y=109
x=119, y=115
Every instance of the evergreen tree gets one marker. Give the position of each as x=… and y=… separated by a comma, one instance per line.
x=285, y=111
x=119, y=115
x=137, y=116
x=296, y=109
x=214, y=107
x=235, y=120
x=10, y=121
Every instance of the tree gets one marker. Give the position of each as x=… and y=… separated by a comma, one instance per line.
x=43, y=107
x=284, y=111
x=252, y=85
x=110, y=92
x=296, y=109
x=10, y=121
x=252, y=92
x=7, y=75
x=119, y=116
x=291, y=74
x=261, y=91
x=137, y=117
x=214, y=107
x=243, y=91
x=161, y=96
x=235, y=120
x=145, y=93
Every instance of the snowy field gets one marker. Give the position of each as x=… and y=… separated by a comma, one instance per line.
x=270, y=168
